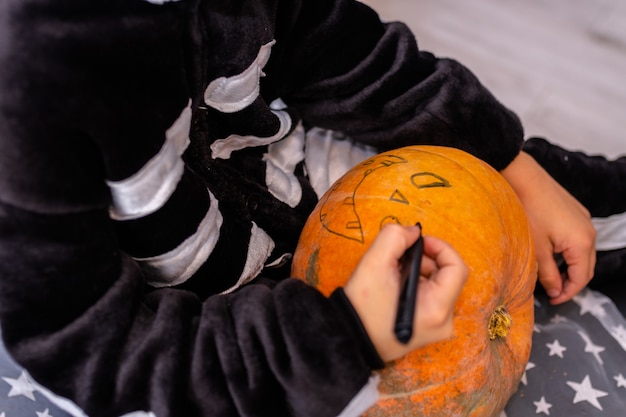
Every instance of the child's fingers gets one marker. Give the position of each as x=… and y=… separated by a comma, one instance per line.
x=579, y=273
x=447, y=261
x=444, y=285
x=391, y=243
x=549, y=274
x=445, y=273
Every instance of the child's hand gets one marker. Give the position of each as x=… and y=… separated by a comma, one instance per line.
x=374, y=289
x=560, y=224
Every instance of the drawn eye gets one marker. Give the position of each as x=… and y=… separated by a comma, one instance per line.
x=429, y=180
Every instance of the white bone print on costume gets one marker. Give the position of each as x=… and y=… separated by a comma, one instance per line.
x=179, y=264
x=281, y=160
x=222, y=148
x=260, y=248
x=149, y=188
x=235, y=93
x=329, y=155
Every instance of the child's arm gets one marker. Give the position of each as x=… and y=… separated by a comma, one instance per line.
x=372, y=82
x=560, y=225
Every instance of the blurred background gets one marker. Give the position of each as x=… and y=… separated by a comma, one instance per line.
x=559, y=64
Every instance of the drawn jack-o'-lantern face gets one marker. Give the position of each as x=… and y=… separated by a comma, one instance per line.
x=346, y=216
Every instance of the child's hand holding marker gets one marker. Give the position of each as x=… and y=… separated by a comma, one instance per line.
x=376, y=286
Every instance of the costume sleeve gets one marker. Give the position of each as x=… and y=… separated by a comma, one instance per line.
x=350, y=72
x=88, y=90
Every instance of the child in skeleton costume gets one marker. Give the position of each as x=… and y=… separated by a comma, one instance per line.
x=159, y=161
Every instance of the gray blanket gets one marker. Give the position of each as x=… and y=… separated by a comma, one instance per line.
x=577, y=365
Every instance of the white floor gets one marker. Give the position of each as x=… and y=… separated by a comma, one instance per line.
x=560, y=64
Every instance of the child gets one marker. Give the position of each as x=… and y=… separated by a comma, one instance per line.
x=159, y=160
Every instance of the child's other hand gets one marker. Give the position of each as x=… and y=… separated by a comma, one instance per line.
x=374, y=289
x=560, y=224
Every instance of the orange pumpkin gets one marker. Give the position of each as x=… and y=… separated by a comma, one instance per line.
x=464, y=201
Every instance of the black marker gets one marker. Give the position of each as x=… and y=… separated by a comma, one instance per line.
x=410, y=262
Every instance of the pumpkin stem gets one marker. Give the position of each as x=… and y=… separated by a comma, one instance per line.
x=499, y=323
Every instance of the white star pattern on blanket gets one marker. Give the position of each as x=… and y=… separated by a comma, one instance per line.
x=619, y=333
x=577, y=363
x=556, y=348
x=21, y=386
x=590, y=304
x=585, y=392
x=590, y=347
x=529, y=365
x=621, y=381
x=20, y=396
x=542, y=406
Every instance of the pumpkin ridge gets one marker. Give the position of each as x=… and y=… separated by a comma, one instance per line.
x=518, y=285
